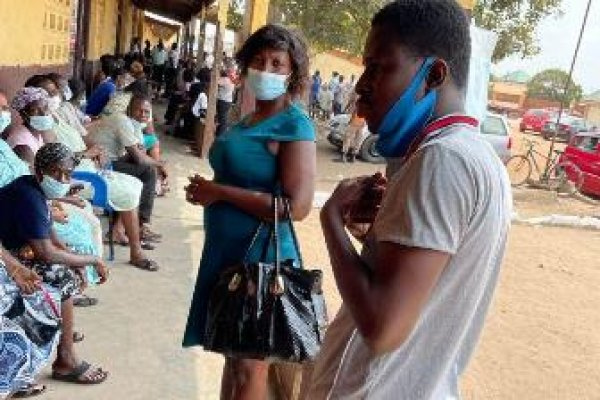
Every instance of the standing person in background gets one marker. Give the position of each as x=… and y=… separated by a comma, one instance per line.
x=338, y=96
x=416, y=298
x=147, y=52
x=353, y=132
x=326, y=101
x=171, y=70
x=159, y=63
x=224, y=101
x=347, y=93
x=315, y=87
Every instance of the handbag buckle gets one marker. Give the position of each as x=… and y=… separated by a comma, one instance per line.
x=234, y=283
x=278, y=286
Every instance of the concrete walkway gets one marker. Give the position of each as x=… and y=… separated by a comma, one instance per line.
x=135, y=331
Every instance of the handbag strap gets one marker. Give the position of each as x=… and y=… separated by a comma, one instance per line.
x=288, y=215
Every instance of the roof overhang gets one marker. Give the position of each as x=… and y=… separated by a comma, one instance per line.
x=180, y=10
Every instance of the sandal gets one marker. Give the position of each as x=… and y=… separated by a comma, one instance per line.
x=78, y=337
x=34, y=389
x=147, y=246
x=84, y=301
x=83, y=374
x=145, y=264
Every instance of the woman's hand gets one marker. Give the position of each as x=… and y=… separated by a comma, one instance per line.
x=102, y=271
x=27, y=280
x=59, y=215
x=202, y=192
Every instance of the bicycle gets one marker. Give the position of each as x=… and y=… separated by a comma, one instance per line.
x=562, y=175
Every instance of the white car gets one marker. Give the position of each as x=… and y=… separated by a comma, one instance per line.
x=494, y=129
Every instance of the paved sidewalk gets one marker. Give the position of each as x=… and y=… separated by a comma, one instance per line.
x=136, y=329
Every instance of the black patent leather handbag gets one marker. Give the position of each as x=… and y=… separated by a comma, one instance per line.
x=268, y=311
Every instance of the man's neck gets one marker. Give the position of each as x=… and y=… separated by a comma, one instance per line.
x=449, y=102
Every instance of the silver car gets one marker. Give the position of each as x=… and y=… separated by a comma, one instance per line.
x=494, y=130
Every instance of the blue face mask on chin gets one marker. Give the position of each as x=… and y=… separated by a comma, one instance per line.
x=407, y=118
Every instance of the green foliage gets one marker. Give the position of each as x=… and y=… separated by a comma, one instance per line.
x=235, y=15
x=515, y=22
x=344, y=24
x=550, y=85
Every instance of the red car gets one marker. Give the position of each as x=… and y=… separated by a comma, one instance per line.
x=584, y=151
x=534, y=120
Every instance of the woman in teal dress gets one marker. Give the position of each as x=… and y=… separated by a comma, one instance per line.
x=272, y=149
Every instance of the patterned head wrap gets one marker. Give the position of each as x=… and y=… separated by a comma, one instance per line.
x=28, y=95
x=52, y=154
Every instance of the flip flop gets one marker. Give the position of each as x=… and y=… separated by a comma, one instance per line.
x=145, y=264
x=35, y=389
x=78, y=375
x=78, y=337
x=84, y=301
x=147, y=246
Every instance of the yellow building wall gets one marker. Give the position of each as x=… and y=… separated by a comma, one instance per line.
x=103, y=28
x=35, y=32
x=327, y=63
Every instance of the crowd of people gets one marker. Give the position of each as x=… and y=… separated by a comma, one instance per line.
x=433, y=230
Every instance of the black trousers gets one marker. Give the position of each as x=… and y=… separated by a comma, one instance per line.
x=222, y=116
x=146, y=174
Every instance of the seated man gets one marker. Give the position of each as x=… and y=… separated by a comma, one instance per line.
x=26, y=230
x=121, y=136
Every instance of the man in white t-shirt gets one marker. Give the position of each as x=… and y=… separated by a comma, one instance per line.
x=415, y=300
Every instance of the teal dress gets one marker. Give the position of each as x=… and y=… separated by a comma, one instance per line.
x=240, y=157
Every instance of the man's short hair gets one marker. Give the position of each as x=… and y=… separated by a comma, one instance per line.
x=438, y=28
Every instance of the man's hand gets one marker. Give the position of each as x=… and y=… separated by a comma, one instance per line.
x=102, y=271
x=202, y=191
x=162, y=170
x=357, y=200
x=27, y=280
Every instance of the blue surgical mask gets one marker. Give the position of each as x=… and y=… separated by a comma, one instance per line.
x=5, y=120
x=41, y=122
x=54, y=189
x=407, y=118
x=266, y=85
x=67, y=93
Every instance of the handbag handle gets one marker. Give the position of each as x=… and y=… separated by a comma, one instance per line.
x=287, y=209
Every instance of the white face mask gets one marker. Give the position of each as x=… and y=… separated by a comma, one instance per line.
x=54, y=103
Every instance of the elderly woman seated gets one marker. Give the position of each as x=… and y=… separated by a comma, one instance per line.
x=26, y=231
x=124, y=190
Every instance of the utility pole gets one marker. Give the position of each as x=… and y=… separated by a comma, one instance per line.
x=567, y=86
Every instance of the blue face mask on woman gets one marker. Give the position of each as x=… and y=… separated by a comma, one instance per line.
x=5, y=120
x=41, y=122
x=266, y=85
x=407, y=118
x=54, y=189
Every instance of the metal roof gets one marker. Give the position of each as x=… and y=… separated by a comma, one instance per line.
x=180, y=10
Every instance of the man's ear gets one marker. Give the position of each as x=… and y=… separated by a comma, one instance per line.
x=438, y=74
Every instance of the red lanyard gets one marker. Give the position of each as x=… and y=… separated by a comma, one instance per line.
x=439, y=124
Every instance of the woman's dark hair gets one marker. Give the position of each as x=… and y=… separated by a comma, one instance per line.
x=38, y=80
x=77, y=87
x=56, y=78
x=436, y=28
x=277, y=37
x=188, y=75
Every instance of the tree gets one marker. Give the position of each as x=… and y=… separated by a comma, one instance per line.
x=515, y=22
x=344, y=24
x=235, y=15
x=550, y=85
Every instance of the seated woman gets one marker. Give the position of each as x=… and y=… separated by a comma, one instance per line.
x=23, y=353
x=121, y=136
x=26, y=231
x=124, y=190
x=78, y=99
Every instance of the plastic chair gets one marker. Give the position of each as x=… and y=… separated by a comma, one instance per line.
x=100, y=199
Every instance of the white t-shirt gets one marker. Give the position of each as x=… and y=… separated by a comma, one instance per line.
x=226, y=89
x=200, y=104
x=454, y=196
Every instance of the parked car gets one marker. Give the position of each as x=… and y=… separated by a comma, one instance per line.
x=584, y=151
x=534, y=120
x=494, y=129
x=569, y=127
x=367, y=151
